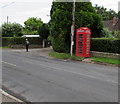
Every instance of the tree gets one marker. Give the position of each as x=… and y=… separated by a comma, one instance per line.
x=11, y=29
x=44, y=32
x=86, y=16
x=32, y=26
x=106, y=14
x=61, y=21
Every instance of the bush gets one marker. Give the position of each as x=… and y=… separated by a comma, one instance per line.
x=116, y=34
x=11, y=29
x=8, y=41
x=59, y=45
x=106, y=33
x=105, y=45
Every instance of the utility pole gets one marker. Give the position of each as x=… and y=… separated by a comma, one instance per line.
x=7, y=19
x=72, y=28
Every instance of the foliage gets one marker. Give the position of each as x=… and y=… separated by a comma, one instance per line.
x=44, y=31
x=50, y=38
x=90, y=20
x=106, y=14
x=116, y=34
x=107, y=33
x=8, y=41
x=32, y=26
x=11, y=29
x=64, y=56
x=59, y=45
x=4, y=47
x=105, y=45
x=61, y=21
x=29, y=32
x=59, y=55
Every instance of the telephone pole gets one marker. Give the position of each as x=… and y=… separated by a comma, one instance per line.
x=72, y=28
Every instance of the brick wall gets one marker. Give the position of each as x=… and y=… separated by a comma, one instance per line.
x=104, y=54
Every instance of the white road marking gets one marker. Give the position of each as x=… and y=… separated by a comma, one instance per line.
x=55, y=68
x=9, y=63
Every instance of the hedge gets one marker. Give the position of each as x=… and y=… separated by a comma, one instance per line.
x=8, y=41
x=105, y=45
x=97, y=44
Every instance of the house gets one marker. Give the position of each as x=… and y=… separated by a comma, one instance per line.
x=112, y=24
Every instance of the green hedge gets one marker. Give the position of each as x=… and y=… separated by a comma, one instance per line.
x=105, y=45
x=97, y=44
x=7, y=41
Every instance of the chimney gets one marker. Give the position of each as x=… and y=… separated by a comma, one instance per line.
x=114, y=20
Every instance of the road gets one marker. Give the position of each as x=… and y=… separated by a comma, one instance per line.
x=38, y=79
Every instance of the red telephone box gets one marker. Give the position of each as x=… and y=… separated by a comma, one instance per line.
x=83, y=35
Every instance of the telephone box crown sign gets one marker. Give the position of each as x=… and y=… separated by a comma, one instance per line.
x=83, y=29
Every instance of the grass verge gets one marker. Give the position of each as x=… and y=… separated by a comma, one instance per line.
x=97, y=59
x=4, y=47
x=64, y=56
x=106, y=60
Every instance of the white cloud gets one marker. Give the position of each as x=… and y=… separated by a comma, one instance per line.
x=109, y=4
x=21, y=11
x=119, y=6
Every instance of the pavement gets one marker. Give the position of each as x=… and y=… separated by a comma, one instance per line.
x=37, y=74
x=7, y=98
x=43, y=52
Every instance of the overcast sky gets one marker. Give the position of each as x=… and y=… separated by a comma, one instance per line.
x=20, y=10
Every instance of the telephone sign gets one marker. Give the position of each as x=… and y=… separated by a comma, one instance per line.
x=83, y=35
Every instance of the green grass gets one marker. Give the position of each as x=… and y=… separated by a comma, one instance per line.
x=97, y=59
x=106, y=60
x=64, y=56
x=5, y=47
x=59, y=55
x=76, y=58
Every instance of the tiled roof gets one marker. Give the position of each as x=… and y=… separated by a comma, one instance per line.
x=109, y=24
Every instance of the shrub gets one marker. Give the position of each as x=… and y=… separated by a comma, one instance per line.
x=116, y=34
x=59, y=45
x=106, y=33
x=105, y=45
x=7, y=41
x=11, y=29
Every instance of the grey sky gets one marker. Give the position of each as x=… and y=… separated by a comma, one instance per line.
x=20, y=10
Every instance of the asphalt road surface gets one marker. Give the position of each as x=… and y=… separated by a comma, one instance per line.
x=38, y=79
